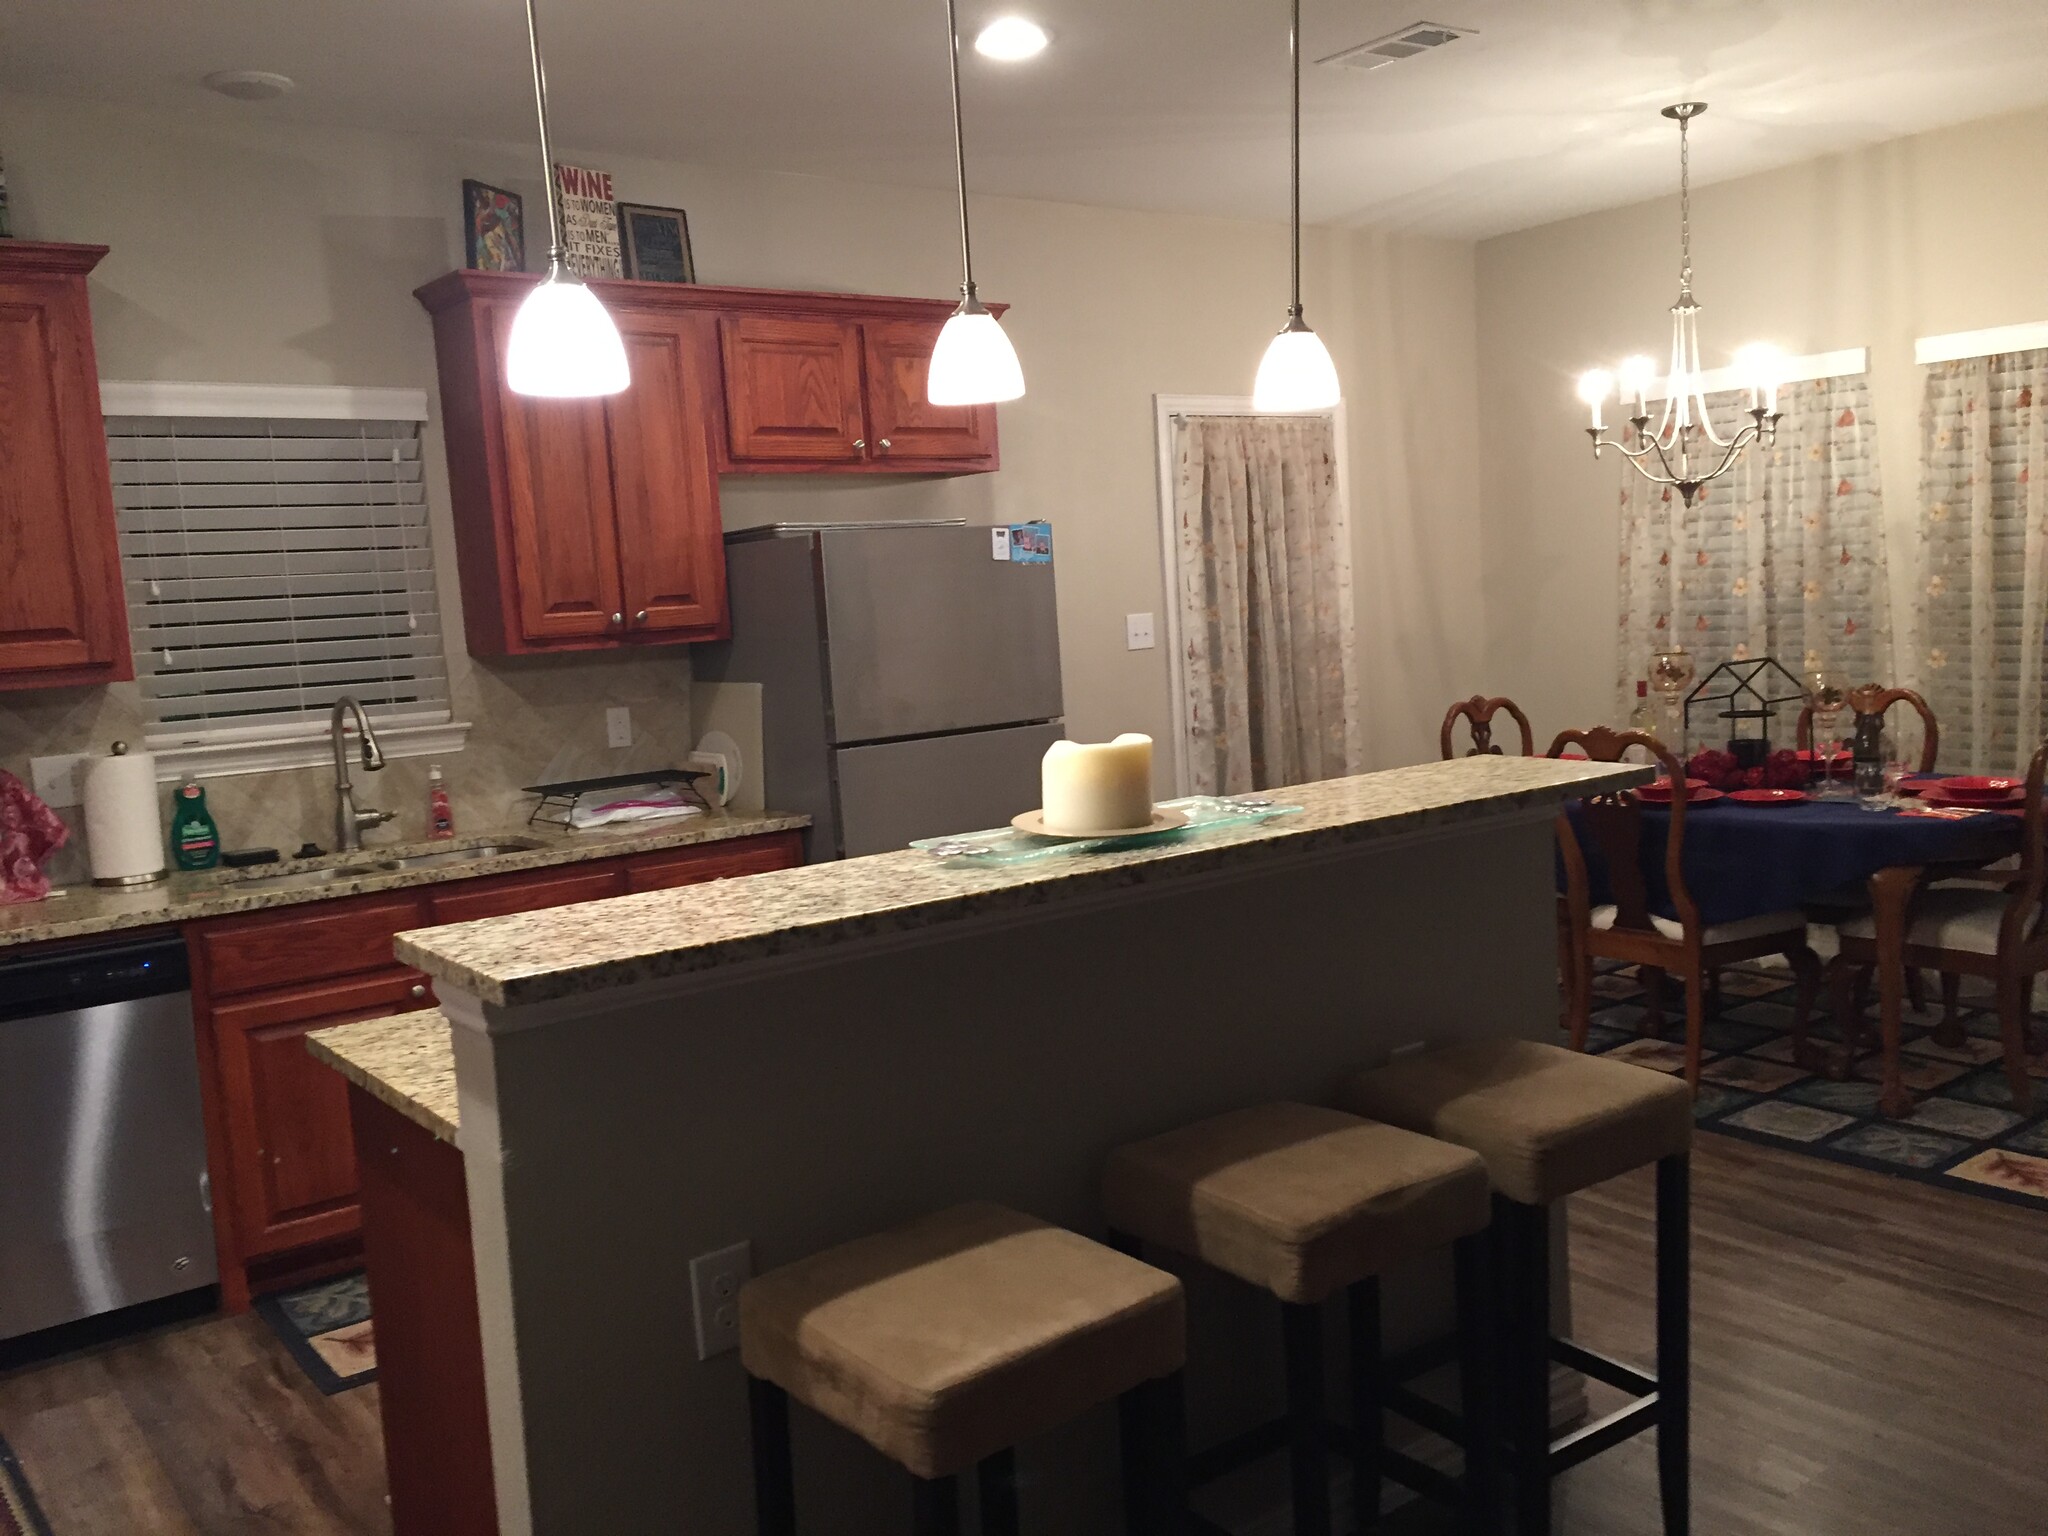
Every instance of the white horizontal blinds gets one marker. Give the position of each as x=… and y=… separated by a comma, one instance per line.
x=1784, y=556
x=1983, y=594
x=274, y=564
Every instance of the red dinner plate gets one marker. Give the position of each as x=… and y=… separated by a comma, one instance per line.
x=1767, y=796
x=1660, y=790
x=1977, y=787
x=1935, y=794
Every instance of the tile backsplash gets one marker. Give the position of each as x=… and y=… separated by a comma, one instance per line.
x=531, y=719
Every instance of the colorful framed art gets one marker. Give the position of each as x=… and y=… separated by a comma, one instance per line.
x=493, y=228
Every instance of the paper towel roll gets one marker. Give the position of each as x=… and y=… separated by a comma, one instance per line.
x=124, y=831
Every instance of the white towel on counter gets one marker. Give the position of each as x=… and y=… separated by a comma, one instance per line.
x=632, y=802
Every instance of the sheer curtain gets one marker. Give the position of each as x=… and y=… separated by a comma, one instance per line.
x=1784, y=556
x=1264, y=557
x=1983, y=593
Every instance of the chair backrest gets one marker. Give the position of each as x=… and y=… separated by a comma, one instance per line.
x=1613, y=821
x=2033, y=881
x=1876, y=699
x=1478, y=712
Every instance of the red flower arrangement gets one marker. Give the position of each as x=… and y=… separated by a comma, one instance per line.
x=1781, y=770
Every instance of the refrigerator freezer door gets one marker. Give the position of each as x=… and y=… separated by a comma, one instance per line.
x=927, y=633
x=895, y=791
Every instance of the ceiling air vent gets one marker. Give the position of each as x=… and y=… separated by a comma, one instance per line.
x=1417, y=37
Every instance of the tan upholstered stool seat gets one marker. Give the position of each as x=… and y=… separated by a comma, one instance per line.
x=961, y=1334
x=1547, y=1120
x=1300, y=1200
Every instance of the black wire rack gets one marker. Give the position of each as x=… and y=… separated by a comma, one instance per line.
x=559, y=799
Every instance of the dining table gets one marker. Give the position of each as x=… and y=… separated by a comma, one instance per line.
x=1823, y=851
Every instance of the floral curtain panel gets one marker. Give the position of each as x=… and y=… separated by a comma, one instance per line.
x=1983, y=593
x=1784, y=556
x=1271, y=696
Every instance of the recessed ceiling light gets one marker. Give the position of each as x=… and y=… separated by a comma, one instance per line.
x=1010, y=39
x=250, y=84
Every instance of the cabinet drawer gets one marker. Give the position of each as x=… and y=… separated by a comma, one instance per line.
x=506, y=894
x=716, y=861
x=305, y=943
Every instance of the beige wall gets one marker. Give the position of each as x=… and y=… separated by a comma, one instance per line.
x=1918, y=237
x=251, y=251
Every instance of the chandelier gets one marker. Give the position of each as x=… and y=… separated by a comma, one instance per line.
x=1686, y=450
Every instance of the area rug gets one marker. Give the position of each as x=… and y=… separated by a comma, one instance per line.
x=327, y=1328
x=1965, y=1134
x=20, y=1515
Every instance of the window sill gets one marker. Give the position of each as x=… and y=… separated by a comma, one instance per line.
x=224, y=753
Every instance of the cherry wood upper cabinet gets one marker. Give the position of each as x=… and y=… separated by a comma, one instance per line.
x=62, y=615
x=907, y=428
x=792, y=388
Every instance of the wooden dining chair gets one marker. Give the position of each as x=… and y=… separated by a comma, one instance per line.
x=1624, y=928
x=1876, y=699
x=1991, y=927
x=1478, y=712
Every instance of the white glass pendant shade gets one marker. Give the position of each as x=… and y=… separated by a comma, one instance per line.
x=973, y=362
x=564, y=345
x=1296, y=374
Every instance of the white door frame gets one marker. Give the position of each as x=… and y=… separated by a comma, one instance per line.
x=1164, y=409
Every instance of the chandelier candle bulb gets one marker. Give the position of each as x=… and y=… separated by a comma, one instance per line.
x=1093, y=787
x=1595, y=386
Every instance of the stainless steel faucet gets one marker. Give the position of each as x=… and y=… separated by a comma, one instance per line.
x=349, y=822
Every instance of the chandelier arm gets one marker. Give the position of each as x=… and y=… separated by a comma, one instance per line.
x=1637, y=457
x=1753, y=433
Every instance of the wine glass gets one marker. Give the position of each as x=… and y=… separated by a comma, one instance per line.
x=1671, y=672
x=1827, y=692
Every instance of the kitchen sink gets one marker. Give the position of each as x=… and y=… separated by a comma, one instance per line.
x=366, y=863
x=301, y=878
x=470, y=855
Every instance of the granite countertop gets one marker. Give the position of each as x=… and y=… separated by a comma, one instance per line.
x=408, y=1061
x=78, y=911
x=538, y=956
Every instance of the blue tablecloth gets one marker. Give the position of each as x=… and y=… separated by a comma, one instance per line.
x=1745, y=860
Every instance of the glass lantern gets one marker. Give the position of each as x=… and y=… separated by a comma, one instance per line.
x=1746, y=694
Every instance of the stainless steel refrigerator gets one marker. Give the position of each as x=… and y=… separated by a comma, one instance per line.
x=910, y=681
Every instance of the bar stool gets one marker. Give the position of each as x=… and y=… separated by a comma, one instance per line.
x=1549, y=1121
x=946, y=1342
x=1305, y=1202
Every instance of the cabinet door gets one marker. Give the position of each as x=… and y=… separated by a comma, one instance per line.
x=291, y=1156
x=558, y=488
x=717, y=861
x=62, y=616
x=473, y=899
x=792, y=389
x=671, y=543
x=902, y=423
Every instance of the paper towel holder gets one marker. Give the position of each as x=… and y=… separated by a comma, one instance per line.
x=153, y=877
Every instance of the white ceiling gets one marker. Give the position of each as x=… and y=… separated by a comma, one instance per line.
x=1169, y=104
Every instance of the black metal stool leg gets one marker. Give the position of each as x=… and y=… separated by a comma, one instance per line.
x=1307, y=1435
x=997, y=1480
x=1526, y=1415
x=1475, y=1394
x=1674, y=1342
x=934, y=1506
x=1367, y=1402
x=774, y=1477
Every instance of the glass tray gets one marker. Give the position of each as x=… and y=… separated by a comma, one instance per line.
x=1006, y=845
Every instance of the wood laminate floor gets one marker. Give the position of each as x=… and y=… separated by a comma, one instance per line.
x=1871, y=1359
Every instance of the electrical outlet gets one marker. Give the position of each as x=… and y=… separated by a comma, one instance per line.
x=57, y=780
x=715, y=1280
x=618, y=727
x=1138, y=632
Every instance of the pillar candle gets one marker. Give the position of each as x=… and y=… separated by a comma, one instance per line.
x=1098, y=786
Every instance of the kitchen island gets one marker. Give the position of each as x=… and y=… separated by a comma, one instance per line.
x=792, y=1059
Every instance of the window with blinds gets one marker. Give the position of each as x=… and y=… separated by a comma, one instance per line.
x=273, y=564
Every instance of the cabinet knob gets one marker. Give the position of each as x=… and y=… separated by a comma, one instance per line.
x=640, y=617
x=860, y=442
x=618, y=618
x=419, y=989
x=885, y=443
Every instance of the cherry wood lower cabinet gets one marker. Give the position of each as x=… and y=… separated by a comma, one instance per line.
x=430, y=1352
x=286, y=1202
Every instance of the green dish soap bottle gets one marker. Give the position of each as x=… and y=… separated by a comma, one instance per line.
x=195, y=840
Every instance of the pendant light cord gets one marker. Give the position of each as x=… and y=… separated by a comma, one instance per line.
x=547, y=146
x=968, y=299
x=1294, y=54
x=1685, y=118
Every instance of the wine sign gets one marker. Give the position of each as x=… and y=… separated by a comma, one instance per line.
x=590, y=222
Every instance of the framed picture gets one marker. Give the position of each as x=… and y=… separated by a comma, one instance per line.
x=493, y=228
x=655, y=243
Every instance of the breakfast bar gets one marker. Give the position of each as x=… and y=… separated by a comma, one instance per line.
x=792, y=1059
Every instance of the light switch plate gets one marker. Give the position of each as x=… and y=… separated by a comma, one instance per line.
x=715, y=1281
x=58, y=781
x=618, y=727
x=1138, y=632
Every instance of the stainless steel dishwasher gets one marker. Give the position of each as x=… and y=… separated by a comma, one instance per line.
x=103, y=1197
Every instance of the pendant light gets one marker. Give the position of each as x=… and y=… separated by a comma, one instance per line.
x=973, y=362
x=563, y=344
x=1296, y=373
